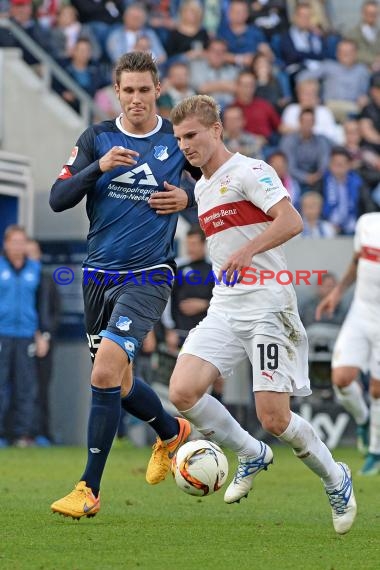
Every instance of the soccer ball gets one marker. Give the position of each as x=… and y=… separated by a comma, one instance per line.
x=200, y=467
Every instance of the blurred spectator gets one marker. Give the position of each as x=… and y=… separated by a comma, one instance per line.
x=4, y=8
x=311, y=211
x=214, y=12
x=107, y=100
x=236, y=138
x=352, y=143
x=21, y=13
x=44, y=363
x=363, y=160
x=143, y=366
x=270, y=16
x=162, y=17
x=212, y=76
x=301, y=47
x=83, y=71
x=102, y=17
x=271, y=84
x=47, y=11
x=370, y=117
x=68, y=30
x=279, y=162
x=22, y=334
x=308, y=307
x=192, y=289
x=261, y=118
x=308, y=98
x=175, y=87
x=341, y=192
x=320, y=17
x=345, y=82
x=123, y=38
x=243, y=40
x=308, y=154
x=367, y=33
x=189, y=38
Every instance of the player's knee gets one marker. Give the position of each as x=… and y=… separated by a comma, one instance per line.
x=343, y=377
x=181, y=398
x=274, y=424
x=102, y=377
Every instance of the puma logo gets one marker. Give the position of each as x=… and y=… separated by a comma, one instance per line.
x=267, y=375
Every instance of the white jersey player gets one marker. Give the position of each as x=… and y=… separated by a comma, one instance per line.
x=358, y=344
x=246, y=215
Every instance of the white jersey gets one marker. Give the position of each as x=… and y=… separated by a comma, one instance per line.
x=367, y=244
x=232, y=209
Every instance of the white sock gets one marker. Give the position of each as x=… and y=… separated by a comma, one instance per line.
x=374, y=427
x=352, y=400
x=308, y=447
x=213, y=420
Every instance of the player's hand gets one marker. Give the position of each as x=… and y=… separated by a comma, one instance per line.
x=232, y=271
x=173, y=200
x=193, y=306
x=118, y=156
x=42, y=345
x=328, y=304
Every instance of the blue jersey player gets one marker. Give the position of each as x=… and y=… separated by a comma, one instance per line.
x=129, y=170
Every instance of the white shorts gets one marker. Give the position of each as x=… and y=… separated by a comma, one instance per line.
x=358, y=344
x=275, y=343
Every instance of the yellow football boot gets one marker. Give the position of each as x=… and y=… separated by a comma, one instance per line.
x=79, y=503
x=163, y=453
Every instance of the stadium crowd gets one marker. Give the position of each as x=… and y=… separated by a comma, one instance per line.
x=293, y=89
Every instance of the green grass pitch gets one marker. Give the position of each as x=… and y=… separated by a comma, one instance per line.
x=284, y=524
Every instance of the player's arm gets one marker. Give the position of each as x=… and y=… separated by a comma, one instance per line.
x=286, y=224
x=80, y=174
x=329, y=303
x=175, y=199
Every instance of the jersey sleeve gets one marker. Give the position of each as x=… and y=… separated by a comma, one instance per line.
x=78, y=175
x=262, y=186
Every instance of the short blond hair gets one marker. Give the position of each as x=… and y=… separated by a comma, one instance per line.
x=205, y=108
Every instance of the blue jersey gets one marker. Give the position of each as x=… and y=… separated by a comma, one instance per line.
x=125, y=233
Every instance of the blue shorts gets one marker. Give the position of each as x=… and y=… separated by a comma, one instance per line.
x=123, y=311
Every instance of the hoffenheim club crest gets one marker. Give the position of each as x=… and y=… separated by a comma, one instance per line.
x=161, y=152
x=123, y=323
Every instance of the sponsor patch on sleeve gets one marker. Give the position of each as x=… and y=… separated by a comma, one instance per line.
x=268, y=183
x=65, y=173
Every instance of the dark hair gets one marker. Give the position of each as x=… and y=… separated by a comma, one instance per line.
x=277, y=153
x=340, y=151
x=196, y=230
x=307, y=111
x=139, y=61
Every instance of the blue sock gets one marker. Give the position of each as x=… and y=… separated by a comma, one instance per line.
x=102, y=426
x=143, y=403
